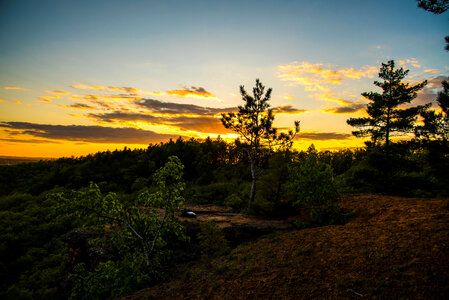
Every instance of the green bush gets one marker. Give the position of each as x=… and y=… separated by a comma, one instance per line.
x=312, y=182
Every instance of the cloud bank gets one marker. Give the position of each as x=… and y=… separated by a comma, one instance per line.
x=90, y=134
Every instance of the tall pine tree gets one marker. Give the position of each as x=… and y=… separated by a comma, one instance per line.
x=386, y=116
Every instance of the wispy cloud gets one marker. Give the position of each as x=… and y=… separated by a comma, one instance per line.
x=177, y=108
x=79, y=106
x=317, y=77
x=192, y=91
x=1, y=100
x=429, y=93
x=14, y=88
x=348, y=109
x=17, y=102
x=48, y=98
x=102, y=97
x=58, y=92
x=90, y=134
x=204, y=124
x=288, y=109
x=331, y=97
x=186, y=92
x=432, y=71
x=30, y=141
x=322, y=136
x=128, y=90
x=410, y=61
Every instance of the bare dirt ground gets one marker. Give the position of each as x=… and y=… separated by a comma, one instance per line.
x=394, y=248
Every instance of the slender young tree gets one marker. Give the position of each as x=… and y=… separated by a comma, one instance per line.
x=145, y=226
x=385, y=113
x=254, y=123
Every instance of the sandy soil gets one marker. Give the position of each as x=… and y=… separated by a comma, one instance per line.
x=393, y=248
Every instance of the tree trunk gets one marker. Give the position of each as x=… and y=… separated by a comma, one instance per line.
x=253, y=183
x=143, y=243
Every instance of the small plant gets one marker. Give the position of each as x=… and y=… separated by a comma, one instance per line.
x=212, y=239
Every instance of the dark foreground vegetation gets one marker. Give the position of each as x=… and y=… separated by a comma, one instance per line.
x=35, y=258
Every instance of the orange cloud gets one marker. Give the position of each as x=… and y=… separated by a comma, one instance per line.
x=288, y=109
x=1, y=100
x=78, y=106
x=432, y=71
x=13, y=88
x=322, y=136
x=43, y=99
x=315, y=77
x=185, y=92
x=128, y=90
x=332, y=98
x=347, y=109
x=99, y=97
x=289, y=97
x=192, y=91
x=410, y=61
x=17, y=102
x=58, y=92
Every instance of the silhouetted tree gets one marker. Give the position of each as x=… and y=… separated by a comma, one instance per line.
x=384, y=115
x=436, y=124
x=437, y=7
x=254, y=123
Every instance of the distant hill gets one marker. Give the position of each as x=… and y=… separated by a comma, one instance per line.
x=14, y=160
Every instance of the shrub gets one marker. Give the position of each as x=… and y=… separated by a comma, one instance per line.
x=312, y=182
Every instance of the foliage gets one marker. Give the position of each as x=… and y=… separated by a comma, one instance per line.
x=138, y=230
x=385, y=116
x=434, y=6
x=254, y=123
x=437, y=7
x=33, y=260
x=312, y=182
x=110, y=278
x=436, y=124
x=212, y=239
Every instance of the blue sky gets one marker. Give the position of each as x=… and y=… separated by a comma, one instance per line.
x=158, y=47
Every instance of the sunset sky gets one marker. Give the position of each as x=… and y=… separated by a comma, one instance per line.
x=77, y=77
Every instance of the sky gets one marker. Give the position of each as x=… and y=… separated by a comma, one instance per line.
x=78, y=77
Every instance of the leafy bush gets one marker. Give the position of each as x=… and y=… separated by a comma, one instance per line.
x=139, y=232
x=312, y=182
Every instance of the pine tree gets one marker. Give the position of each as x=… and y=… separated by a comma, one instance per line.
x=385, y=115
x=254, y=123
x=436, y=123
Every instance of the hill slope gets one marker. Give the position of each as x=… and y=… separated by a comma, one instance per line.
x=394, y=248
